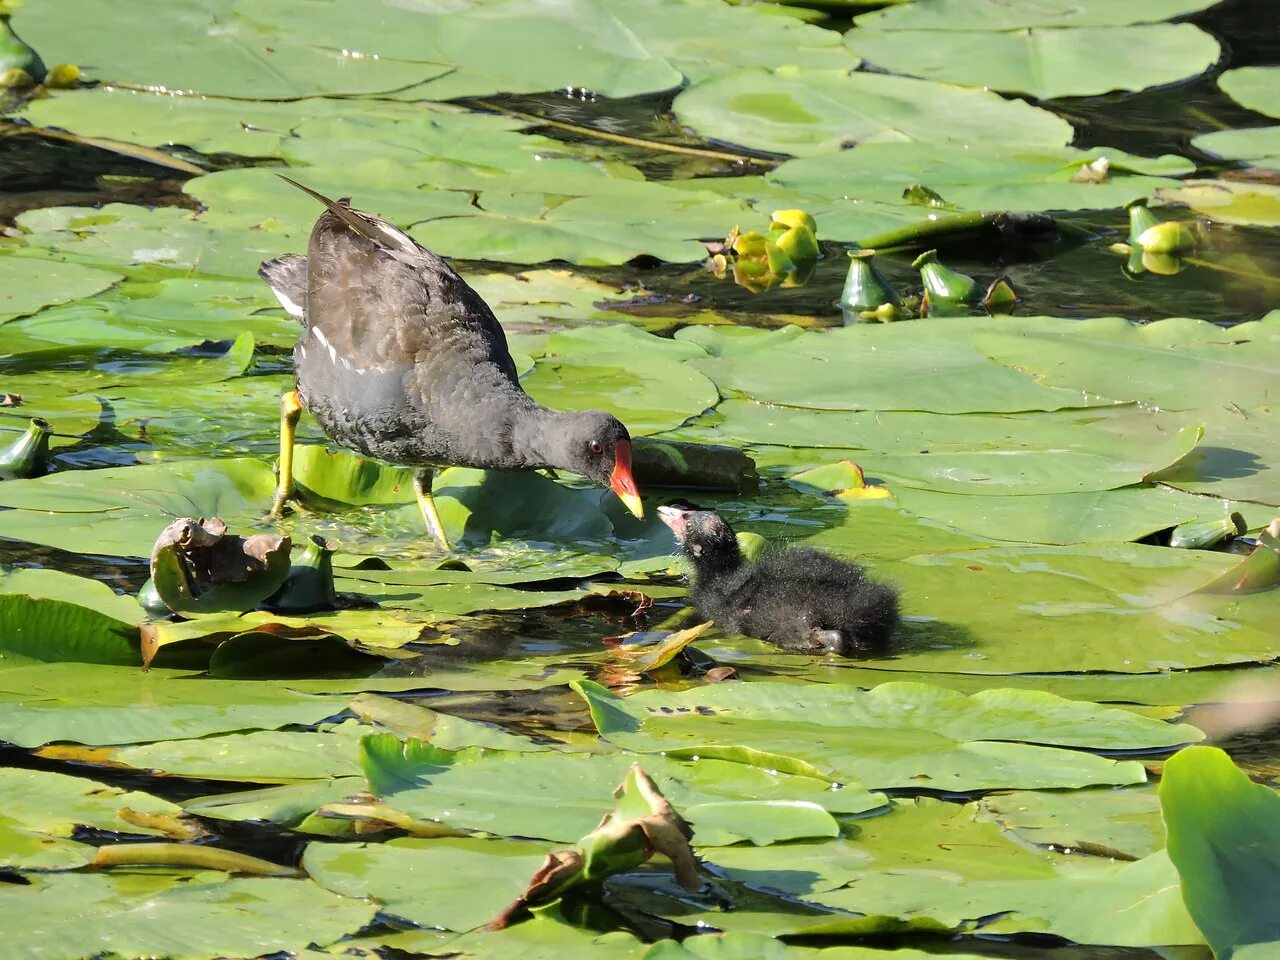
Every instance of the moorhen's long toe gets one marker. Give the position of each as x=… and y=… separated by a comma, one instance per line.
x=399, y=359
x=802, y=599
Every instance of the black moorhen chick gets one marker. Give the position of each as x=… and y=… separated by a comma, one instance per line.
x=802, y=599
x=401, y=360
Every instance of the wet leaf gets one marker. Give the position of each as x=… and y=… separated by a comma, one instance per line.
x=431, y=883
x=98, y=704
x=1043, y=62
x=174, y=915
x=27, y=285
x=1220, y=829
x=957, y=743
x=564, y=795
x=1253, y=88
x=809, y=111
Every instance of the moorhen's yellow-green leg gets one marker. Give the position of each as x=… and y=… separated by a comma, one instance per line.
x=422, y=490
x=290, y=411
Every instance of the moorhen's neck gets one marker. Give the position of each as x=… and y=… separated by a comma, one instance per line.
x=537, y=435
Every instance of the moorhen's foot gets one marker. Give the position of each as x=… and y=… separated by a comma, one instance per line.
x=426, y=503
x=290, y=411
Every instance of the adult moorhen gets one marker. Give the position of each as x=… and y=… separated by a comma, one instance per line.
x=401, y=360
x=802, y=599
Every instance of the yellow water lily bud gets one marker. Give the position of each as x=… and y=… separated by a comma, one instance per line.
x=1166, y=265
x=62, y=76
x=787, y=219
x=799, y=244
x=16, y=79
x=1168, y=237
x=749, y=244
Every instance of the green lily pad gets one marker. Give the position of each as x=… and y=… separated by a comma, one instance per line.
x=176, y=915
x=1005, y=15
x=262, y=756
x=1260, y=146
x=27, y=284
x=972, y=871
x=1254, y=88
x=1125, y=608
x=819, y=111
x=1229, y=201
x=614, y=48
x=48, y=616
x=445, y=731
x=957, y=743
x=876, y=367
x=563, y=795
x=979, y=177
x=547, y=935
x=132, y=238
x=1098, y=516
x=56, y=805
x=286, y=805
x=97, y=704
x=1043, y=62
x=1097, y=822
x=192, y=47
x=637, y=377
x=165, y=315
x=453, y=883
x=1220, y=825
x=1186, y=364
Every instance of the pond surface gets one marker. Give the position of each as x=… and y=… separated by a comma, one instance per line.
x=408, y=754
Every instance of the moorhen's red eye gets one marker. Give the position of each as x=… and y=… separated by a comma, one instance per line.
x=597, y=446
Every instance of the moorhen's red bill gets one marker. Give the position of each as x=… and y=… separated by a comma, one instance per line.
x=802, y=599
x=401, y=360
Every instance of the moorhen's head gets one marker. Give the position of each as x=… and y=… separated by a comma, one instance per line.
x=705, y=537
x=597, y=445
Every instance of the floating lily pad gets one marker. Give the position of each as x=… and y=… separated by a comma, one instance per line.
x=952, y=737
x=819, y=111
x=614, y=48
x=1126, y=608
x=1260, y=146
x=979, y=177
x=1096, y=822
x=194, y=48
x=1044, y=62
x=433, y=883
x=1186, y=364
x=56, y=805
x=174, y=915
x=1219, y=824
x=47, y=616
x=27, y=284
x=1229, y=201
x=97, y=704
x=263, y=756
x=1099, y=516
x=976, y=872
x=1003, y=15
x=1254, y=88
x=563, y=796
x=876, y=368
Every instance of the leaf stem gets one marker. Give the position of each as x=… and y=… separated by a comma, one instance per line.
x=596, y=134
x=187, y=855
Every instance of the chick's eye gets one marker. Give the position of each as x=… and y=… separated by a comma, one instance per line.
x=597, y=446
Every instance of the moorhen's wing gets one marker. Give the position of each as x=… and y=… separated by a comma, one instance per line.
x=381, y=301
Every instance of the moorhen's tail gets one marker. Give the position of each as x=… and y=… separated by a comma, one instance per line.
x=371, y=228
x=287, y=278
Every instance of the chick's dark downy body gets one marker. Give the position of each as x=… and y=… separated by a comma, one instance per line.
x=801, y=599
